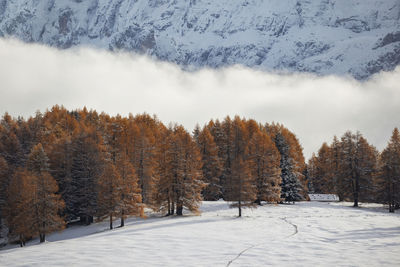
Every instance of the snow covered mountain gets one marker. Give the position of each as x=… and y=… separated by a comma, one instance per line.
x=356, y=37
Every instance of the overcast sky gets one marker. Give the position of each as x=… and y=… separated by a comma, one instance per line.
x=34, y=77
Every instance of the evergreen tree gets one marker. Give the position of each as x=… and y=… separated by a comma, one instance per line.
x=290, y=187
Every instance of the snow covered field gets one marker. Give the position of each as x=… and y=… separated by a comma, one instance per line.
x=304, y=234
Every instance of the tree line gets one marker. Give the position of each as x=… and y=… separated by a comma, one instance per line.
x=67, y=166
x=355, y=171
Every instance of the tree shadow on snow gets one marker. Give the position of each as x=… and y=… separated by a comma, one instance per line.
x=371, y=233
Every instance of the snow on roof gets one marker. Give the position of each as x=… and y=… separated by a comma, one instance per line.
x=323, y=197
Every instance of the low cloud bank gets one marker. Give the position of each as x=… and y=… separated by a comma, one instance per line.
x=35, y=77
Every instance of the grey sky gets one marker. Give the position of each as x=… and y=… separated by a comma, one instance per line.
x=34, y=77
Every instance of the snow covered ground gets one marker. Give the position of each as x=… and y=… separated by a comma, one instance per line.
x=304, y=234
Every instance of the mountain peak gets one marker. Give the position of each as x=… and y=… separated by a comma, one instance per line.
x=353, y=37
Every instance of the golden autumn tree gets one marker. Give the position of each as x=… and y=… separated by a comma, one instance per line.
x=212, y=165
x=109, y=193
x=145, y=153
x=130, y=203
x=20, y=210
x=47, y=203
x=119, y=143
x=323, y=169
x=357, y=167
x=163, y=199
x=180, y=182
x=4, y=182
x=265, y=161
x=10, y=146
x=189, y=179
x=60, y=161
x=323, y=181
x=60, y=126
x=335, y=161
x=390, y=172
x=241, y=185
x=312, y=172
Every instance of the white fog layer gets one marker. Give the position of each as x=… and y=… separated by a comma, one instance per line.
x=35, y=77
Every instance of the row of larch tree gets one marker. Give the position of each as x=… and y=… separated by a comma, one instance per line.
x=354, y=170
x=65, y=166
x=246, y=162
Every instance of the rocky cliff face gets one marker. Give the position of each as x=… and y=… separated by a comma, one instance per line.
x=356, y=37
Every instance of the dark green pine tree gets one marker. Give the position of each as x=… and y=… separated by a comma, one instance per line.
x=290, y=187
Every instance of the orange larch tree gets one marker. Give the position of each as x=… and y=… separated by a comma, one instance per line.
x=109, y=193
x=20, y=210
x=241, y=187
x=265, y=160
x=47, y=203
x=212, y=166
x=390, y=172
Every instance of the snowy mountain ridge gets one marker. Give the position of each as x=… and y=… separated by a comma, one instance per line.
x=356, y=37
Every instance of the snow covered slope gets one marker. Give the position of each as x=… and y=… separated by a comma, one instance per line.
x=304, y=234
x=357, y=37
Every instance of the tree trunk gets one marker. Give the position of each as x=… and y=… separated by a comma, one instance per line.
x=179, y=209
x=240, y=208
x=355, y=200
x=355, y=196
x=391, y=202
x=391, y=208
x=42, y=237
x=111, y=222
x=169, y=207
x=122, y=219
x=21, y=241
x=86, y=219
